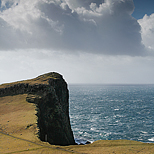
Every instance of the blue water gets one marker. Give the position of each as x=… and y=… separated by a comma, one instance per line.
x=111, y=112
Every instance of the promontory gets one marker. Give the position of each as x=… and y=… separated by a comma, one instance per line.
x=34, y=118
x=49, y=95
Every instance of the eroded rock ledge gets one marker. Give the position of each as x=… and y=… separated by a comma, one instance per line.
x=50, y=95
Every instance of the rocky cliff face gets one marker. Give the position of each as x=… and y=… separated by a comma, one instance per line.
x=50, y=95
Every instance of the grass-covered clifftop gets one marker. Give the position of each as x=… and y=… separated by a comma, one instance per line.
x=19, y=120
x=48, y=95
x=42, y=79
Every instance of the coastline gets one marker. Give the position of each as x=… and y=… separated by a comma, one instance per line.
x=20, y=134
x=22, y=139
x=24, y=146
x=19, y=131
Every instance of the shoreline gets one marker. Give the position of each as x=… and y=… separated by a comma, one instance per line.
x=83, y=141
x=11, y=145
x=18, y=121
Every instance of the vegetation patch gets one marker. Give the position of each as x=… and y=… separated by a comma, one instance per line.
x=19, y=120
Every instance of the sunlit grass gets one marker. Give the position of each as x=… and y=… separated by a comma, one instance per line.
x=42, y=79
x=18, y=130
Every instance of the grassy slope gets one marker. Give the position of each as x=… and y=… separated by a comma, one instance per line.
x=17, y=118
x=42, y=79
x=18, y=133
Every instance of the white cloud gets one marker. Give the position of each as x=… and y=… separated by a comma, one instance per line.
x=104, y=27
x=25, y=15
x=88, y=41
x=147, y=31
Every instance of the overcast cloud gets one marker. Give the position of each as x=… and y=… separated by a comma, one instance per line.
x=88, y=41
x=104, y=27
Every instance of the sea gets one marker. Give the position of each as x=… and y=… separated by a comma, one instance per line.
x=112, y=112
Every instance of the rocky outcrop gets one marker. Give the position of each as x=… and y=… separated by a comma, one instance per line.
x=50, y=95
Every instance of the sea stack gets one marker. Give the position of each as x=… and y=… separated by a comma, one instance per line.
x=49, y=94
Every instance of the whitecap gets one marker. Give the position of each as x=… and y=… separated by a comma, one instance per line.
x=107, y=134
x=118, y=115
x=143, y=132
x=116, y=109
x=76, y=129
x=81, y=141
x=92, y=129
x=140, y=139
x=152, y=139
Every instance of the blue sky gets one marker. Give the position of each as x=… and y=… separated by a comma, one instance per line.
x=86, y=41
x=143, y=7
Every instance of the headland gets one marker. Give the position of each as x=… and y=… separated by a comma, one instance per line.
x=34, y=118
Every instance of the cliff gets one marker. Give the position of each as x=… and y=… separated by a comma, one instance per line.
x=39, y=108
x=50, y=96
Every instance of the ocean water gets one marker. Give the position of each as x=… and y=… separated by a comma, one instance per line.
x=111, y=112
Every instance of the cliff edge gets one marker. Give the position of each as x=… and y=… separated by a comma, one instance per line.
x=36, y=110
x=50, y=96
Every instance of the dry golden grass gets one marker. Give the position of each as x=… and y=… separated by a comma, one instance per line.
x=116, y=147
x=16, y=115
x=42, y=79
x=18, y=134
x=18, y=131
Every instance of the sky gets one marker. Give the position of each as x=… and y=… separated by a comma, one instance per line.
x=90, y=41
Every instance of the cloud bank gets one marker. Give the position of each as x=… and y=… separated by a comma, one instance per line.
x=104, y=27
x=147, y=24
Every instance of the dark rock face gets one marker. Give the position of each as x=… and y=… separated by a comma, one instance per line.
x=51, y=100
